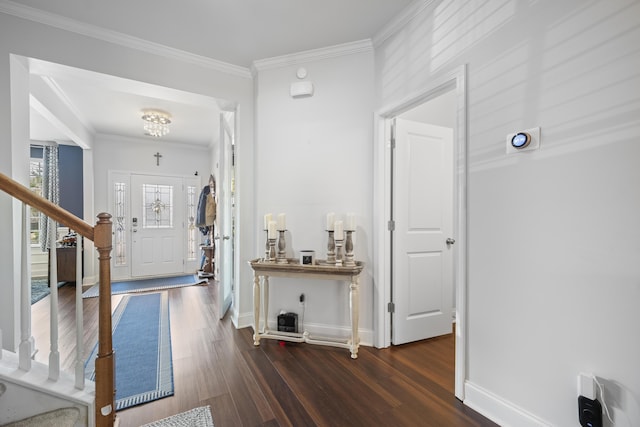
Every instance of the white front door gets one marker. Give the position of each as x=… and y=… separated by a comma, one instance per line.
x=422, y=260
x=226, y=220
x=157, y=225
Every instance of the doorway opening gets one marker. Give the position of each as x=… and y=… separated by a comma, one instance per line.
x=449, y=88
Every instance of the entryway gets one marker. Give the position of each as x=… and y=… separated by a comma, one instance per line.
x=420, y=205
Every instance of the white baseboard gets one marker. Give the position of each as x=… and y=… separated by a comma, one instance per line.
x=498, y=409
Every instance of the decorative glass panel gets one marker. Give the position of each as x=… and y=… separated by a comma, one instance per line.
x=192, y=230
x=157, y=206
x=120, y=226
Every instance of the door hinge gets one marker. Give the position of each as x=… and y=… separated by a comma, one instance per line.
x=391, y=225
x=391, y=307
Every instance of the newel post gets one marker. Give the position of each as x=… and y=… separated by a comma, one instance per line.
x=105, y=373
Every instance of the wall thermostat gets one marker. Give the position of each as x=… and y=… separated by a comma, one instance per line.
x=524, y=140
x=520, y=140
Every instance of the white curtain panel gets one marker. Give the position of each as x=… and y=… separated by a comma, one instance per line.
x=50, y=189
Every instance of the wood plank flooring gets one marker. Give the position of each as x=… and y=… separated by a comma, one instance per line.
x=278, y=385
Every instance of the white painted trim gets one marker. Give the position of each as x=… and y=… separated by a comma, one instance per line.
x=400, y=21
x=57, y=21
x=499, y=410
x=313, y=55
x=382, y=205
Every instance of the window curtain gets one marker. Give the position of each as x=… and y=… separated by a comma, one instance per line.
x=50, y=189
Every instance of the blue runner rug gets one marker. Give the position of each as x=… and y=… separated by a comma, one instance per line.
x=142, y=344
x=146, y=285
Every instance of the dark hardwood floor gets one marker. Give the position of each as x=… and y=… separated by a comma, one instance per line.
x=278, y=385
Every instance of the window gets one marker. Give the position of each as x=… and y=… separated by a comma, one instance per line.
x=120, y=225
x=157, y=206
x=192, y=230
x=35, y=184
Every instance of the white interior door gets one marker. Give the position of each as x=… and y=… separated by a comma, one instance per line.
x=422, y=278
x=225, y=221
x=157, y=225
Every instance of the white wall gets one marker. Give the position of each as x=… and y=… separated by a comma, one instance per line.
x=553, y=274
x=314, y=157
x=137, y=155
x=34, y=40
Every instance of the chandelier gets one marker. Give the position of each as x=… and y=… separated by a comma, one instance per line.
x=156, y=123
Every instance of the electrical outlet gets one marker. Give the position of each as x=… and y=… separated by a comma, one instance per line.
x=301, y=299
x=589, y=408
x=587, y=386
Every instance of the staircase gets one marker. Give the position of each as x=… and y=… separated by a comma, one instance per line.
x=41, y=392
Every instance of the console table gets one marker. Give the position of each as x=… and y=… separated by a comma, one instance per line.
x=320, y=270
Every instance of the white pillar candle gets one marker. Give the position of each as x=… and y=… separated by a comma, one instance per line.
x=282, y=222
x=271, y=230
x=267, y=220
x=331, y=217
x=338, y=231
x=351, y=221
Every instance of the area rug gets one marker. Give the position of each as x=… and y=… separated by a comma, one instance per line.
x=40, y=289
x=142, y=344
x=147, y=285
x=197, y=417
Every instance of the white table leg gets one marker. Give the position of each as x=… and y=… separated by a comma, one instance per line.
x=354, y=304
x=265, y=296
x=256, y=309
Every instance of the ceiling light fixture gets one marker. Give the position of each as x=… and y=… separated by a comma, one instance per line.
x=156, y=123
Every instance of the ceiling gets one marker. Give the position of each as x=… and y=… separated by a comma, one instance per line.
x=236, y=32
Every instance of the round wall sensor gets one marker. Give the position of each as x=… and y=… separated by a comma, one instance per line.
x=520, y=140
x=301, y=73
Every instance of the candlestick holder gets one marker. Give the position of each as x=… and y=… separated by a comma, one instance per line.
x=348, y=247
x=339, y=244
x=331, y=248
x=282, y=246
x=266, y=246
x=271, y=254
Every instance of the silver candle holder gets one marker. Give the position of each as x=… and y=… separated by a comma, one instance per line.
x=271, y=257
x=348, y=247
x=266, y=246
x=339, y=243
x=282, y=248
x=331, y=248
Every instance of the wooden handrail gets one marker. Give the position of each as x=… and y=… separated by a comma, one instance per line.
x=105, y=414
x=20, y=192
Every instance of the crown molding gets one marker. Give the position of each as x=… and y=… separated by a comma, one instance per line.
x=400, y=21
x=36, y=15
x=312, y=55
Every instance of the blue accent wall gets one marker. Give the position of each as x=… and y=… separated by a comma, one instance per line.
x=70, y=164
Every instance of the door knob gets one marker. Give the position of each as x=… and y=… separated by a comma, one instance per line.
x=226, y=237
x=450, y=241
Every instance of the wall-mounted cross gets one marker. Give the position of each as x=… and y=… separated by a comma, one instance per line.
x=157, y=156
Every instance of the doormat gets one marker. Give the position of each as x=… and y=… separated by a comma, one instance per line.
x=197, y=417
x=147, y=285
x=142, y=345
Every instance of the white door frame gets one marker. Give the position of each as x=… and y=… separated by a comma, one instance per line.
x=456, y=80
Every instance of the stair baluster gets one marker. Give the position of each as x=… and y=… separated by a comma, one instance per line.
x=25, y=349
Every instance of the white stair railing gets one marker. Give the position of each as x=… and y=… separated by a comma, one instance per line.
x=101, y=236
x=26, y=349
